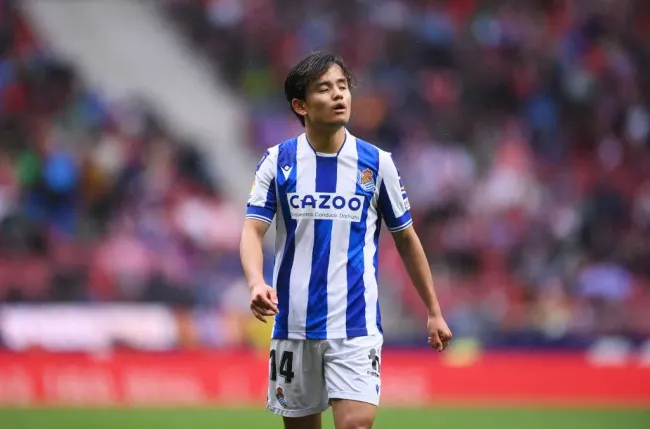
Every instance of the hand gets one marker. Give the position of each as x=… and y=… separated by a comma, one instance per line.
x=264, y=301
x=439, y=332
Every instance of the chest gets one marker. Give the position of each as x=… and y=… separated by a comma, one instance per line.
x=327, y=188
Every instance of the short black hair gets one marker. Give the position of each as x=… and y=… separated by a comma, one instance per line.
x=308, y=69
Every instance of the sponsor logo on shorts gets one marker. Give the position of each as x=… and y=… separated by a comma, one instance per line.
x=374, y=361
x=279, y=394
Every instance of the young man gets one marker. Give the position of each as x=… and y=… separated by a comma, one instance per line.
x=330, y=192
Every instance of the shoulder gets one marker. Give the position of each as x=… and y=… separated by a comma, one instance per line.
x=368, y=153
x=383, y=158
x=285, y=152
x=289, y=144
x=274, y=152
x=365, y=146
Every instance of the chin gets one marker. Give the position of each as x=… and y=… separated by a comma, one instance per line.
x=339, y=122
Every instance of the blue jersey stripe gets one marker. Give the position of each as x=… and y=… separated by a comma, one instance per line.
x=316, y=329
x=393, y=222
x=368, y=158
x=376, y=263
x=271, y=200
x=355, y=317
x=286, y=157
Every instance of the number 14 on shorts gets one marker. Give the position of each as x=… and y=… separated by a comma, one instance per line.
x=286, y=366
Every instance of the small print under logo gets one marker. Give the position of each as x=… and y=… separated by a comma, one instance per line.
x=366, y=180
x=279, y=394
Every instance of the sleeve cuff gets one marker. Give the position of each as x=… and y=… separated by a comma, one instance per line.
x=263, y=219
x=403, y=226
x=260, y=213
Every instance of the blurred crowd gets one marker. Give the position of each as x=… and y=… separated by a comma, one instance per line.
x=99, y=201
x=521, y=129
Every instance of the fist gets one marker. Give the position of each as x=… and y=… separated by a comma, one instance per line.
x=439, y=333
x=264, y=301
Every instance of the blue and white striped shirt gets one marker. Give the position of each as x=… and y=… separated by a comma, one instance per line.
x=329, y=209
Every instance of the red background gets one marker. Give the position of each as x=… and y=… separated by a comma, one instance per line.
x=229, y=378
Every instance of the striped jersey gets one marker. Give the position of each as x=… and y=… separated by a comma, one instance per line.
x=329, y=210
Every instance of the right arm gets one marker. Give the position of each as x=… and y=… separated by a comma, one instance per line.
x=250, y=250
x=264, y=301
x=262, y=205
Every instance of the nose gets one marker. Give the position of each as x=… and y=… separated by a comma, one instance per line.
x=337, y=94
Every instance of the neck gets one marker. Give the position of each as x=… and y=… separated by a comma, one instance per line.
x=329, y=141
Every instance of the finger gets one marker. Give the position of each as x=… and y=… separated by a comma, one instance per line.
x=435, y=341
x=273, y=296
x=261, y=301
x=266, y=312
x=263, y=310
x=435, y=344
x=257, y=315
x=447, y=338
x=445, y=344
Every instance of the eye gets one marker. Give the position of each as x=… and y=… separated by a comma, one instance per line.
x=323, y=89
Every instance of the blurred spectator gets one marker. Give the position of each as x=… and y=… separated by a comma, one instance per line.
x=98, y=201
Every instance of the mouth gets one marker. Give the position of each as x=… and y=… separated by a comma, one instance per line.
x=339, y=108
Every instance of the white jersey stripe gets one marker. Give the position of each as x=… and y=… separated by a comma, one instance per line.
x=371, y=294
x=299, y=285
x=337, y=272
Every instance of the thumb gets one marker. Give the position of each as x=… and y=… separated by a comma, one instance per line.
x=273, y=296
x=434, y=340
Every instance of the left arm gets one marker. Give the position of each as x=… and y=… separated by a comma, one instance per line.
x=410, y=249
x=394, y=206
x=412, y=254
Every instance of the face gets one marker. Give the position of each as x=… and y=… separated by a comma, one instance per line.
x=327, y=100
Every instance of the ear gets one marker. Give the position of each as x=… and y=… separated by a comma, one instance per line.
x=299, y=106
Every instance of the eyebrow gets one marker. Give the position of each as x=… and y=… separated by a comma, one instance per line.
x=327, y=82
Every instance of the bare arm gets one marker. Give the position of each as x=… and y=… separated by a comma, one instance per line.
x=263, y=298
x=394, y=206
x=250, y=250
x=410, y=249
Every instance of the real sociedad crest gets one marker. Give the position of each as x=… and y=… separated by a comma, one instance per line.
x=365, y=180
x=279, y=394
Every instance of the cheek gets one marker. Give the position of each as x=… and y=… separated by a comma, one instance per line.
x=319, y=105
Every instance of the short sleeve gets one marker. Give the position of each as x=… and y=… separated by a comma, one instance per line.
x=393, y=202
x=262, y=201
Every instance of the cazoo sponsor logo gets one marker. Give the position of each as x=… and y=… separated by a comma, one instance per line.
x=325, y=205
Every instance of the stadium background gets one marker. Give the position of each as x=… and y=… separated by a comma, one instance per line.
x=129, y=132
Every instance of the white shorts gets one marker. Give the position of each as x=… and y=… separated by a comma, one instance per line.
x=305, y=374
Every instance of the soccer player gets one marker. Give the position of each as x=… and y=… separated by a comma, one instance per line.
x=330, y=192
